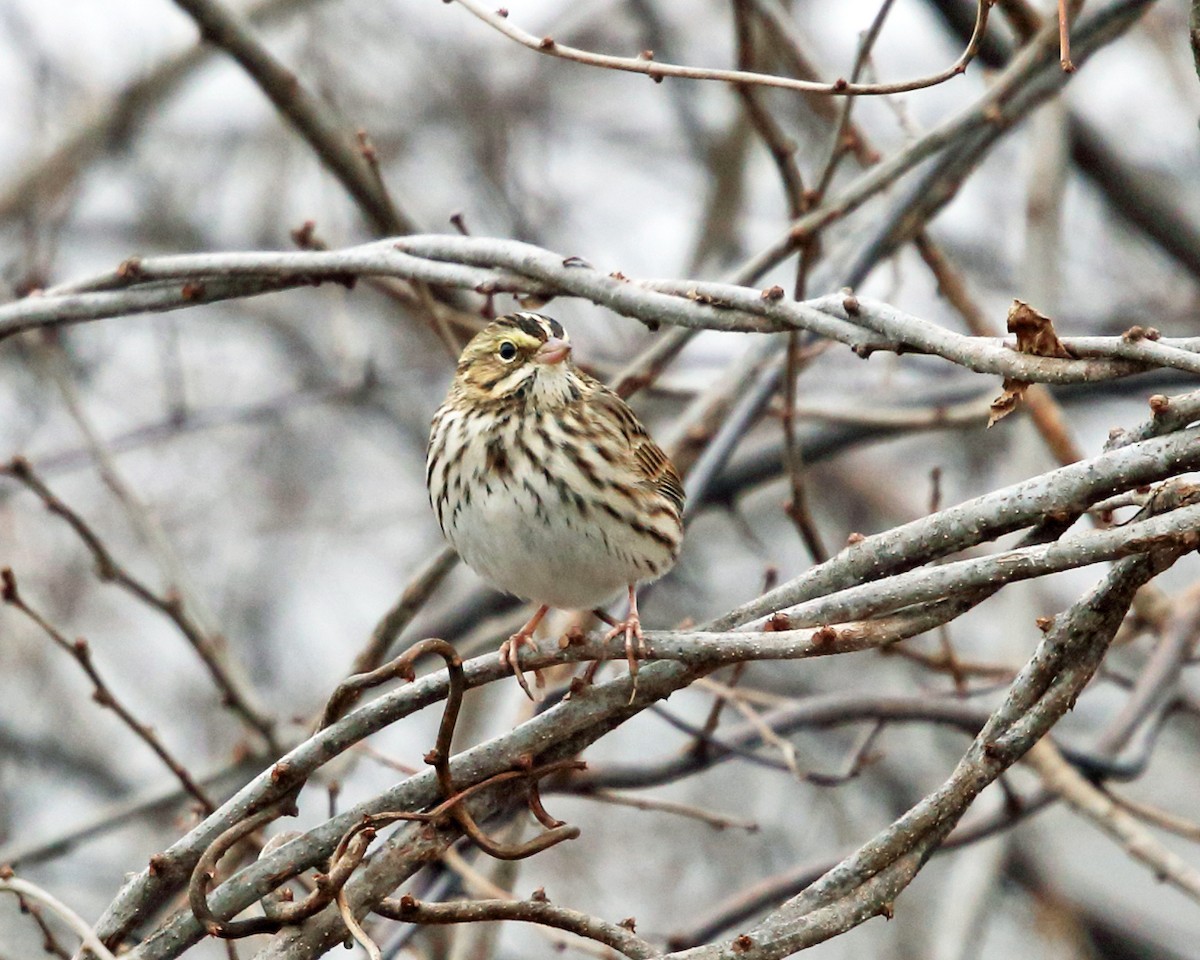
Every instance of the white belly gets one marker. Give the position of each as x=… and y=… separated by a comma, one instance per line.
x=526, y=543
x=538, y=531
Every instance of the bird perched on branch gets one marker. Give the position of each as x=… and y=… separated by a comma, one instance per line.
x=546, y=483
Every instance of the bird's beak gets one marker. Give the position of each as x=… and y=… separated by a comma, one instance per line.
x=553, y=350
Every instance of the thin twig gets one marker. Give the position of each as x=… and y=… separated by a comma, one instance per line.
x=530, y=911
x=338, y=149
x=415, y=595
x=1064, y=36
x=79, y=926
x=1094, y=804
x=657, y=71
x=102, y=693
x=718, y=821
x=234, y=695
x=1172, y=823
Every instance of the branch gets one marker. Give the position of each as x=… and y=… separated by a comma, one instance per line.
x=23, y=888
x=865, y=884
x=1033, y=75
x=1094, y=804
x=414, y=596
x=235, y=694
x=117, y=121
x=102, y=693
x=338, y=150
x=159, y=801
x=499, y=21
x=541, y=911
x=482, y=264
x=1060, y=494
x=946, y=580
x=1052, y=500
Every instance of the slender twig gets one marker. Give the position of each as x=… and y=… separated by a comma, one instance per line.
x=1172, y=823
x=414, y=596
x=102, y=692
x=782, y=150
x=149, y=528
x=162, y=799
x=1029, y=79
x=764, y=894
x=1094, y=804
x=949, y=663
x=338, y=149
x=108, y=569
x=50, y=942
x=1064, y=36
x=356, y=929
x=658, y=71
x=530, y=911
x=844, y=132
x=566, y=726
x=121, y=118
x=440, y=317
x=79, y=926
x=1045, y=412
x=718, y=821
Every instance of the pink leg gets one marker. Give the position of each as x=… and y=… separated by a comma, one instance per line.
x=631, y=626
x=510, y=650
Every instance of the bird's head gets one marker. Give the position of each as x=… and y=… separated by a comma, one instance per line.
x=520, y=356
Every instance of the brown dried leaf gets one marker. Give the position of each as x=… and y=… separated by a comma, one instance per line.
x=1011, y=394
x=1036, y=336
x=1035, y=332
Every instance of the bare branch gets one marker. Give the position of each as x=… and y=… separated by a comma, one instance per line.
x=23, y=888
x=474, y=262
x=529, y=911
x=658, y=71
x=338, y=149
x=102, y=693
x=236, y=695
x=1091, y=802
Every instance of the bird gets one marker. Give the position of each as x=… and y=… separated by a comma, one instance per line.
x=547, y=484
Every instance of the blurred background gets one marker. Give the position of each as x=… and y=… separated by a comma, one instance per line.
x=265, y=456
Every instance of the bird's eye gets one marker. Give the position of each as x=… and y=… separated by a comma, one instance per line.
x=508, y=350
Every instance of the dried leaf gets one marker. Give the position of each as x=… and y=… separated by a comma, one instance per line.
x=1011, y=394
x=1036, y=336
x=1035, y=332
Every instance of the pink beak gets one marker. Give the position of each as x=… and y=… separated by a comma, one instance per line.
x=553, y=350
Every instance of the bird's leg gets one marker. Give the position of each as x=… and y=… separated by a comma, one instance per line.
x=631, y=626
x=511, y=648
x=604, y=615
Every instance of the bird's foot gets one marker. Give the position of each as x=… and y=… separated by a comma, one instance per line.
x=635, y=643
x=510, y=651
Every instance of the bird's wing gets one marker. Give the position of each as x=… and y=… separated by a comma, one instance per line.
x=648, y=458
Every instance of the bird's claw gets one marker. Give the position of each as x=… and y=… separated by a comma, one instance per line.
x=510, y=651
x=635, y=644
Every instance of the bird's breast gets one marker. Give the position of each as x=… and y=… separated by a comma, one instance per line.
x=540, y=515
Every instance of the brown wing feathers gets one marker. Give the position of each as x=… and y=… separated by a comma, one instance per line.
x=648, y=457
